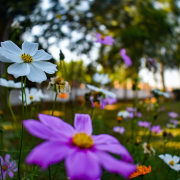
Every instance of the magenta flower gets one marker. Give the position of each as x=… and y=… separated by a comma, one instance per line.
x=173, y=114
x=156, y=129
x=145, y=124
x=7, y=167
x=175, y=122
x=133, y=112
x=107, y=40
x=119, y=129
x=84, y=154
x=125, y=57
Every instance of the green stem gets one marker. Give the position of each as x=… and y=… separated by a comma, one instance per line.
x=22, y=129
x=10, y=107
x=54, y=104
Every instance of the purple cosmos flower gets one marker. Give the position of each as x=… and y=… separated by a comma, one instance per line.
x=173, y=114
x=7, y=167
x=125, y=57
x=156, y=129
x=175, y=122
x=145, y=124
x=119, y=129
x=107, y=40
x=84, y=154
x=133, y=112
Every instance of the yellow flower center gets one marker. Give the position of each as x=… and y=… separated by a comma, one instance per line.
x=31, y=97
x=171, y=163
x=27, y=58
x=82, y=140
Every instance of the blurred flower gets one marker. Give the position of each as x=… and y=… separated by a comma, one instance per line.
x=59, y=85
x=58, y=16
x=133, y=112
x=7, y=167
x=140, y=171
x=170, y=125
x=125, y=57
x=84, y=153
x=119, y=129
x=171, y=161
x=107, y=40
x=32, y=95
x=156, y=129
x=173, y=114
x=63, y=95
x=145, y=124
x=27, y=62
x=160, y=93
x=101, y=78
x=173, y=121
x=151, y=64
x=9, y=84
x=123, y=115
x=148, y=149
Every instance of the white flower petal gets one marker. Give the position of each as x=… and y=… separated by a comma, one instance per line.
x=10, y=46
x=176, y=159
x=8, y=56
x=36, y=74
x=19, y=69
x=30, y=48
x=41, y=55
x=48, y=67
x=176, y=167
x=4, y=59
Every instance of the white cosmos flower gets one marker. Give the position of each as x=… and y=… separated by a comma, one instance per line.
x=33, y=95
x=124, y=114
x=171, y=161
x=28, y=61
x=10, y=83
x=101, y=78
x=104, y=91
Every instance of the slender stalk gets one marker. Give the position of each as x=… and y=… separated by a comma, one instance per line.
x=54, y=104
x=10, y=107
x=22, y=129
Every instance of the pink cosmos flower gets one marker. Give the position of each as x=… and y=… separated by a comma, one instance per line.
x=119, y=129
x=7, y=167
x=133, y=112
x=145, y=124
x=125, y=57
x=173, y=114
x=107, y=40
x=84, y=154
x=156, y=129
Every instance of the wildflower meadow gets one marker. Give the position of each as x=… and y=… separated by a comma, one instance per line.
x=89, y=89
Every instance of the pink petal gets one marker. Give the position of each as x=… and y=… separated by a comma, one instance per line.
x=104, y=139
x=115, y=166
x=11, y=174
x=116, y=149
x=38, y=129
x=82, y=123
x=48, y=153
x=7, y=157
x=83, y=165
x=56, y=124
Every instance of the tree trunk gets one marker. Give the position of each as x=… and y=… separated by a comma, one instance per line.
x=162, y=77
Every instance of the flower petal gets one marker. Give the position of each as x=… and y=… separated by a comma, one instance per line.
x=7, y=157
x=116, y=149
x=48, y=153
x=10, y=174
x=38, y=129
x=36, y=74
x=115, y=166
x=41, y=55
x=4, y=59
x=30, y=48
x=176, y=167
x=48, y=67
x=56, y=124
x=19, y=69
x=83, y=164
x=176, y=159
x=11, y=51
x=104, y=139
x=82, y=123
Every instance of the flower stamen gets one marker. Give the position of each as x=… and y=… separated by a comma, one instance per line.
x=82, y=140
x=171, y=163
x=27, y=58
